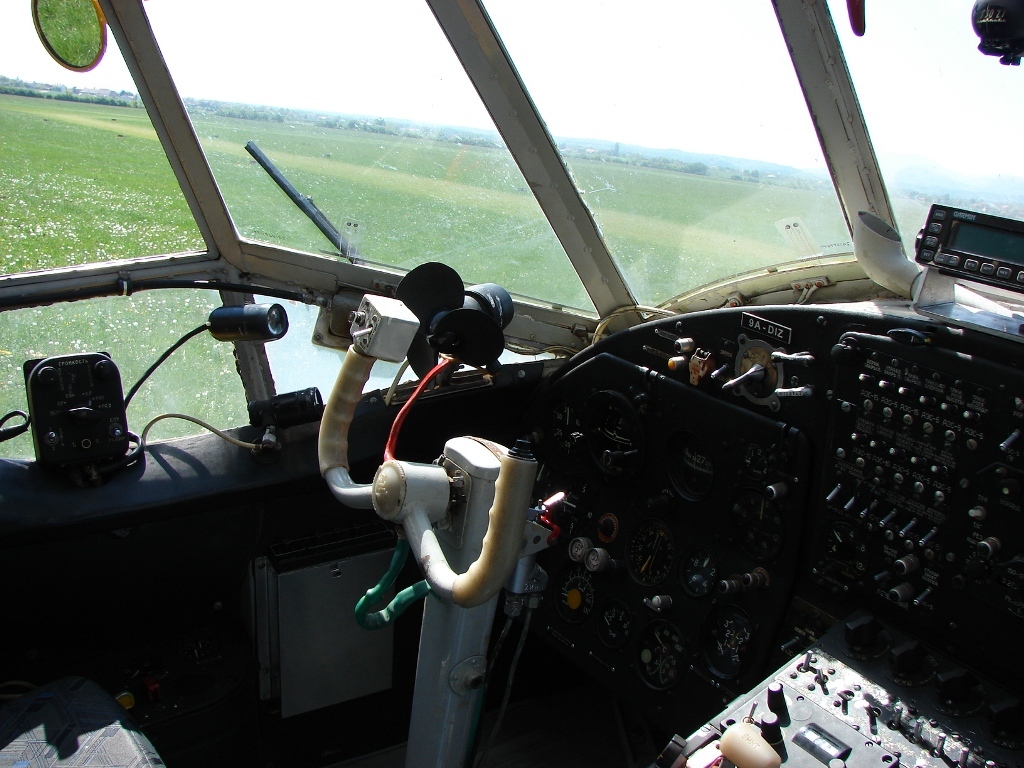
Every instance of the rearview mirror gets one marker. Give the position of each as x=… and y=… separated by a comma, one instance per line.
x=74, y=32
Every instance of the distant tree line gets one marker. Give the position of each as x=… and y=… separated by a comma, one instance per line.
x=16, y=87
x=643, y=161
x=376, y=125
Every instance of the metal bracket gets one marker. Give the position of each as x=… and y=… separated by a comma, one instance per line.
x=468, y=675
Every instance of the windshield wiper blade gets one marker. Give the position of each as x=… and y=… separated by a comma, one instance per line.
x=305, y=204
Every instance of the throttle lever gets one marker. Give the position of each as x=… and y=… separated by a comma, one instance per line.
x=753, y=374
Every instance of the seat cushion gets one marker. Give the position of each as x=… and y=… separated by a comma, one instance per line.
x=71, y=722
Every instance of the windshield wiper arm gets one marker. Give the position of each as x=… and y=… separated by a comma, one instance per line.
x=305, y=204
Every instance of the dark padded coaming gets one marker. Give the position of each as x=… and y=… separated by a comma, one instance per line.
x=71, y=722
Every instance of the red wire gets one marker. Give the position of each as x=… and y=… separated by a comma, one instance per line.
x=389, y=448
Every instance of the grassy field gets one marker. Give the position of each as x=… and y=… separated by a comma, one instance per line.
x=82, y=183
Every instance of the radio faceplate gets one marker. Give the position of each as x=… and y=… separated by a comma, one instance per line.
x=973, y=246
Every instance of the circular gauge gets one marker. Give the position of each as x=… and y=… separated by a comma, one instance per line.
x=726, y=641
x=846, y=545
x=564, y=428
x=690, y=467
x=660, y=655
x=699, y=572
x=615, y=624
x=576, y=596
x=614, y=433
x=578, y=548
x=607, y=527
x=759, y=525
x=755, y=462
x=649, y=552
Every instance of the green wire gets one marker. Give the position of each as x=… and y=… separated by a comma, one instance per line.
x=394, y=609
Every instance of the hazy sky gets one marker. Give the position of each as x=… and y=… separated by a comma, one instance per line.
x=662, y=73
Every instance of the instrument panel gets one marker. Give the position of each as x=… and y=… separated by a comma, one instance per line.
x=721, y=469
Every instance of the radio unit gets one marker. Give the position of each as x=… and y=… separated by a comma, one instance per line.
x=973, y=246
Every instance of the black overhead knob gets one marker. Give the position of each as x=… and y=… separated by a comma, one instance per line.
x=907, y=659
x=1006, y=717
x=955, y=685
x=862, y=632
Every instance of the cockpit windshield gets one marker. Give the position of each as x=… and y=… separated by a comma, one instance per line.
x=365, y=108
x=685, y=130
x=696, y=163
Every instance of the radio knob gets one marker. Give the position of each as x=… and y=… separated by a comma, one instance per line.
x=901, y=593
x=862, y=632
x=104, y=369
x=956, y=685
x=906, y=660
x=988, y=547
x=48, y=376
x=906, y=564
x=1006, y=717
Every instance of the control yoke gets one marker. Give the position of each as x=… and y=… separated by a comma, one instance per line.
x=417, y=496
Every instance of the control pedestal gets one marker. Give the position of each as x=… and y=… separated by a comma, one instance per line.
x=866, y=696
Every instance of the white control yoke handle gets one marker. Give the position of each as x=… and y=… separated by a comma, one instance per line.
x=418, y=495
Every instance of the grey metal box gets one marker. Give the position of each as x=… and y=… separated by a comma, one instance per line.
x=311, y=651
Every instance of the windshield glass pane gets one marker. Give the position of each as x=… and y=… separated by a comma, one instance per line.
x=365, y=109
x=690, y=140
x=83, y=178
x=960, y=145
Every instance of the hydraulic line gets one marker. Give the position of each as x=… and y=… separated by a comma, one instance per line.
x=394, y=609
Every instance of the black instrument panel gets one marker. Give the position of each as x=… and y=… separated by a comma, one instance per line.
x=822, y=456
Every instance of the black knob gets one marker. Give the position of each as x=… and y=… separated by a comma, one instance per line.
x=771, y=731
x=901, y=593
x=906, y=660
x=47, y=376
x=1006, y=717
x=955, y=685
x=104, y=369
x=862, y=632
x=777, y=700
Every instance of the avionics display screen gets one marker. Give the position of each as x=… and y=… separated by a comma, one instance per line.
x=991, y=243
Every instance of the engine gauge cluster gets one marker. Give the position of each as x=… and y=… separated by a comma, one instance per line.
x=670, y=571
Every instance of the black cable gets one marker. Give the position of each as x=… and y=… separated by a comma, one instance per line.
x=129, y=458
x=164, y=356
x=508, y=689
x=6, y=433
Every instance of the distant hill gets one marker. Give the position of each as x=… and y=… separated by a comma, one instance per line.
x=715, y=161
x=937, y=182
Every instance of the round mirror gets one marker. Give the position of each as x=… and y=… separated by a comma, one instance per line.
x=74, y=32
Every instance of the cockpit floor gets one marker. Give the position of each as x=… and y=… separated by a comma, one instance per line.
x=579, y=729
